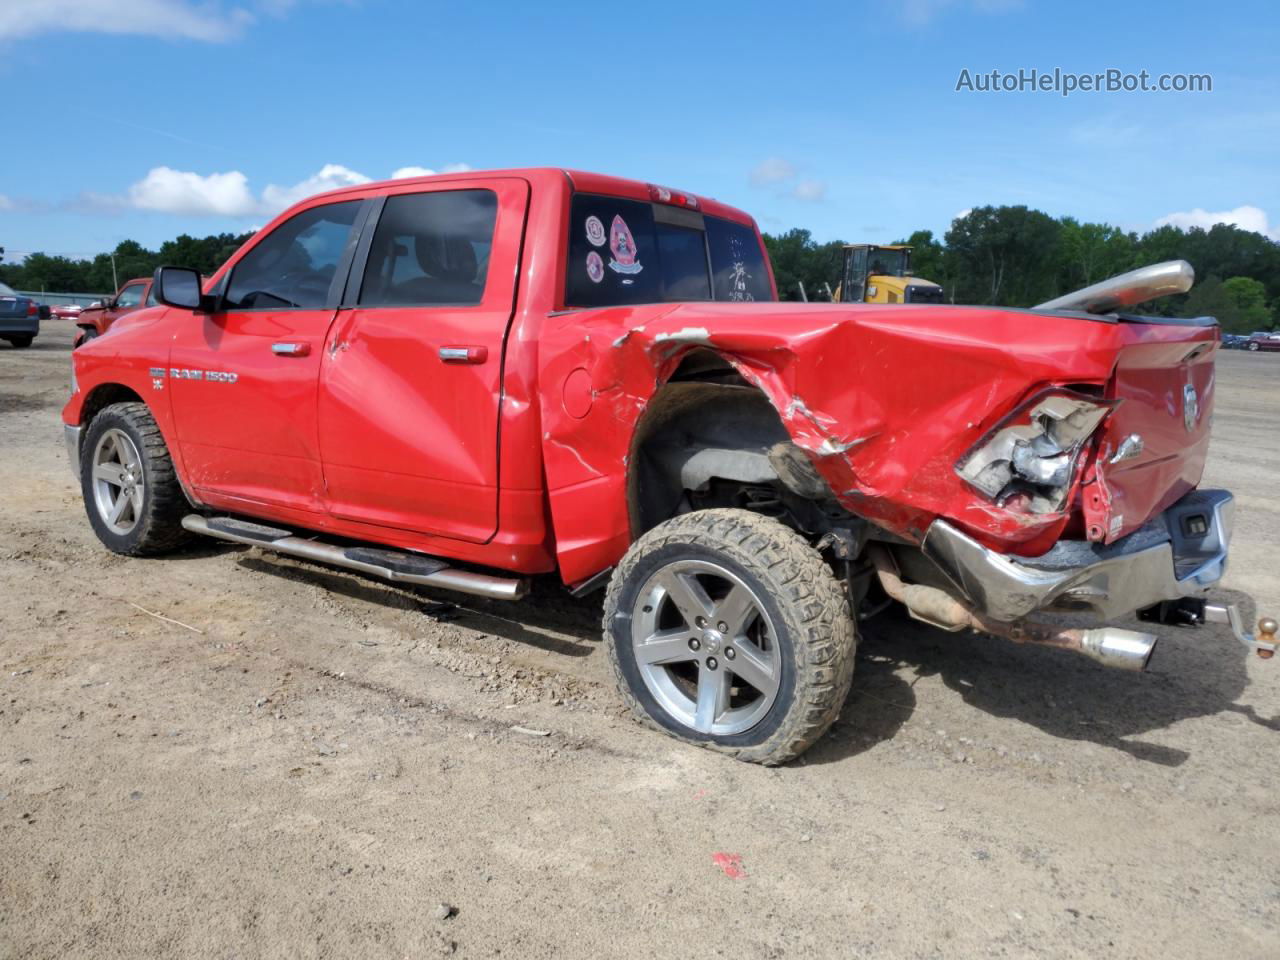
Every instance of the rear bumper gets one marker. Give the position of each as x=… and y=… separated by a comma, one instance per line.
x=1180, y=554
x=23, y=326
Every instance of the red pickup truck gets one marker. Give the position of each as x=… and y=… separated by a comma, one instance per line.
x=468, y=380
x=94, y=321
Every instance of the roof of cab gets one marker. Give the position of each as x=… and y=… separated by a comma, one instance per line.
x=579, y=180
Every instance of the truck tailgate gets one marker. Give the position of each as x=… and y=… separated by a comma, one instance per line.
x=1163, y=380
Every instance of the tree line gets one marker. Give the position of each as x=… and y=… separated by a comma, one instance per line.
x=41, y=271
x=1005, y=256
x=1018, y=257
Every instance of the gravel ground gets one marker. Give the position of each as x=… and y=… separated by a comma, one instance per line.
x=318, y=765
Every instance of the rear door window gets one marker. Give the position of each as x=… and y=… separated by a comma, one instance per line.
x=431, y=249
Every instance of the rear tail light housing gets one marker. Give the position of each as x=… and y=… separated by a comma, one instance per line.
x=1029, y=461
x=32, y=309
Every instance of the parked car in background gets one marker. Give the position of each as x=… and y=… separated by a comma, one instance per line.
x=65, y=311
x=1234, y=341
x=95, y=321
x=19, y=317
x=1263, y=341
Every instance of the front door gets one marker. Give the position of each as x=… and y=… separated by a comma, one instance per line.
x=411, y=378
x=243, y=380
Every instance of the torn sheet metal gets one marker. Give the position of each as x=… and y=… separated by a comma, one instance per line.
x=884, y=400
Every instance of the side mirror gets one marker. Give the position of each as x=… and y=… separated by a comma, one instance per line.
x=180, y=287
x=44, y=312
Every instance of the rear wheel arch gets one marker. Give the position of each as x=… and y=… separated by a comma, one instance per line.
x=706, y=424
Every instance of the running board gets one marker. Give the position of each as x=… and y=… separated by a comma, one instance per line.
x=395, y=565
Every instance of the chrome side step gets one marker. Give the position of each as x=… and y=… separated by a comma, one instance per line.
x=395, y=565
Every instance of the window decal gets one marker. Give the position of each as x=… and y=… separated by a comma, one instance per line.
x=595, y=267
x=623, y=246
x=595, y=231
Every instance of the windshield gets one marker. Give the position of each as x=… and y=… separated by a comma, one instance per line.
x=7, y=291
x=888, y=263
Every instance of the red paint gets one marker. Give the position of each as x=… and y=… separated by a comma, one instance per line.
x=730, y=864
x=517, y=458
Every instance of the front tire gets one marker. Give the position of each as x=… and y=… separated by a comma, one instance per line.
x=1253, y=346
x=131, y=492
x=726, y=629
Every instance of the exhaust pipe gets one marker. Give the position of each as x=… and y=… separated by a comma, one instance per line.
x=1109, y=646
x=1114, y=647
x=1128, y=289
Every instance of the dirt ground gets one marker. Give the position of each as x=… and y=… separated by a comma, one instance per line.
x=323, y=761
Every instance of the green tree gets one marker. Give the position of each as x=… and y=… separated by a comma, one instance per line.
x=1249, y=297
x=1209, y=298
x=1004, y=256
x=796, y=258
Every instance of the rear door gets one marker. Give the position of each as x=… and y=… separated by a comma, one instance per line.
x=411, y=378
x=243, y=380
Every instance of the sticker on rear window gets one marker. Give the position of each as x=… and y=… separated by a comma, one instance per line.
x=595, y=266
x=595, y=231
x=623, y=246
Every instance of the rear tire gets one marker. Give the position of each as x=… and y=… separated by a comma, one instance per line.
x=727, y=630
x=21, y=341
x=131, y=491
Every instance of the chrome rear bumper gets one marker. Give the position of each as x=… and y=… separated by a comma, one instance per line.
x=1181, y=553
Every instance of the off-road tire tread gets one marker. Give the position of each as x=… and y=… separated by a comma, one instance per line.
x=166, y=504
x=804, y=587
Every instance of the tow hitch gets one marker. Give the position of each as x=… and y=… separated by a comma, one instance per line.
x=1193, y=612
x=1264, y=644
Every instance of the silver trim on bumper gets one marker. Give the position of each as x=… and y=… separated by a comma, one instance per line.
x=71, y=435
x=1109, y=583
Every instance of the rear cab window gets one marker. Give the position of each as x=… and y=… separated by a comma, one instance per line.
x=624, y=251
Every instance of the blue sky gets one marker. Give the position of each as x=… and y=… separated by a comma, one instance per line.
x=149, y=118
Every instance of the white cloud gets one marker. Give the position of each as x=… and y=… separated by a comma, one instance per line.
x=5, y=202
x=960, y=215
x=210, y=22
x=185, y=193
x=772, y=170
x=1245, y=217
x=810, y=190
x=178, y=191
x=406, y=172
x=331, y=177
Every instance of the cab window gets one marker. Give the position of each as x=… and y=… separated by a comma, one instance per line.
x=627, y=251
x=151, y=297
x=130, y=296
x=431, y=249
x=294, y=266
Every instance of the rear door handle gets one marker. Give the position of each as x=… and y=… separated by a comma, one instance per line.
x=291, y=348
x=464, y=354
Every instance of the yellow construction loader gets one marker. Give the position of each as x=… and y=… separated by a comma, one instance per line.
x=882, y=274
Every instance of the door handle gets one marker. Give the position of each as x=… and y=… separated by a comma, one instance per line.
x=291, y=348
x=464, y=354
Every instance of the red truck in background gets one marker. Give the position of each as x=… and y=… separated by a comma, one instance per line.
x=94, y=321
x=464, y=381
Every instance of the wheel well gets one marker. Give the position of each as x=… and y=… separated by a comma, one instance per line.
x=103, y=396
x=710, y=439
